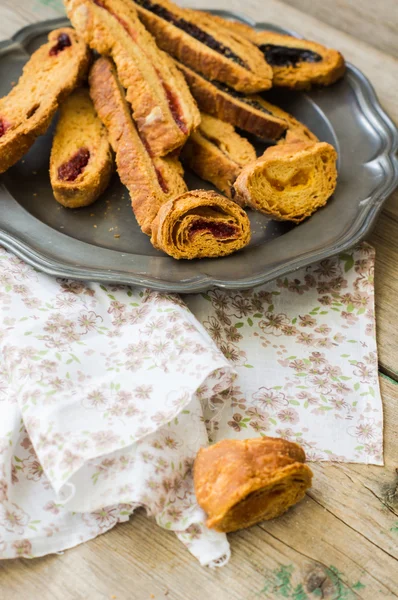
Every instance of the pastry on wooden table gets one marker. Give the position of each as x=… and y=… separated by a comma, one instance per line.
x=151, y=181
x=200, y=224
x=246, y=112
x=296, y=63
x=163, y=108
x=241, y=482
x=196, y=40
x=289, y=182
x=50, y=74
x=217, y=153
x=81, y=161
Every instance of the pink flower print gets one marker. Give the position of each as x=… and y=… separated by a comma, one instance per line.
x=219, y=299
x=174, y=332
x=339, y=338
x=360, y=300
x=296, y=286
x=232, y=334
x=50, y=366
x=346, y=298
x=286, y=434
x=259, y=426
x=307, y=339
x=332, y=371
x=22, y=548
x=338, y=283
x=14, y=474
x=95, y=399
x=241, y=306
x=321, y=383
x=365, y=281
x=232, y=352
x=371, y=359
x=194, y=531
x=327, y=269
x=32, y=468
x=104, y=439
x=273, y=323
x=268, y=398
x=323, y=329
x=104, y=519
x=71, y=461
x=174, y=513
x=314, y=456
x=65, y=301
x=288, y=415
x=52, y=507
x=298, y=365
x=171, y=442
x=236, y=422
x=365, y=373
x=365, y=431
x=349, y=317
x=338, y=403
x=307, y=321
x=289, y=330
x=143, y=391
x=318, y=358
x=325, y=300
x=214, y=328
x=26, y=444
x=223, y=318
x=370, y=330
x=363, y=264
x=3, y=490
x=341, y=388
x=324, y=342
x=88, y=321
x=138, y=315
x=13, y=518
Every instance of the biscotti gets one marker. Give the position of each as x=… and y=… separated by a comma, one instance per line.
x=200, y=224
x=289, y=182
x=241, y=482
x=81, y=161
x=196, y=40
x=163, y=108
x=51, y=73
x=250, y=113
x=217, y=153
x=245, y=112
x=296, y=63
x=151, y=181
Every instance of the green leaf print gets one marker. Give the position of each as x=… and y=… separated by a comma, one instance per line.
x=348, y=260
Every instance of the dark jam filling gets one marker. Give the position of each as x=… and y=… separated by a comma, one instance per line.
x=218, y=230
x=63, y=42
x=71, y=169
x=192, y=30
x=162, y=181
x=249, y=101
x=283, y=56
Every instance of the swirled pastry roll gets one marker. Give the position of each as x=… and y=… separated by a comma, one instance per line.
x=289, y=182
x=241, y=482
x=200, y=224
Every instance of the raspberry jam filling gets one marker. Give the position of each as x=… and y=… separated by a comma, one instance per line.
x=63, y=42
x=4, y=126
x=192, y=30
x=74, y=167
x=284, y=56
x=219, y=230
x=172, y=99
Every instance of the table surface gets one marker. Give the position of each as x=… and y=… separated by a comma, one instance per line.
x=341, y=543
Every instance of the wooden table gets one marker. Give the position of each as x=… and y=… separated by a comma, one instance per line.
x=342, y=541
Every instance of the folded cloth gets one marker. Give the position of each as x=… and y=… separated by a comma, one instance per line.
x=108, y=392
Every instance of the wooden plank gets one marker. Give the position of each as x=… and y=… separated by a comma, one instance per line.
x=377, y=24
x=342, y=539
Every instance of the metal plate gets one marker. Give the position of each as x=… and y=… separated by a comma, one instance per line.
x=80, y=243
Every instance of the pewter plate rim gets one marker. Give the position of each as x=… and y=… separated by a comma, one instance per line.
x=53, y=264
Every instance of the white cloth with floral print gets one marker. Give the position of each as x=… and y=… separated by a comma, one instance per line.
x=107, y=393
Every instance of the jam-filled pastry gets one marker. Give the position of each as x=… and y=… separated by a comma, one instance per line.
x=163, y=107
x=250, y=113
x=289, y=182
x=217, y=153
x=246, y=112
x=200, y=224
x=81, y=161
x=241, y=482
x=50, y=74
x=206, y=46
x=296, y=63
x=151, y=181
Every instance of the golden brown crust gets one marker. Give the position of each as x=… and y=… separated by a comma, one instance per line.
x=200, y=224
x=217, y=153
x=150, y=181
x=164, y=109
x=289, y=182
x=254, y=77
x=301, y=75
x=79, y=130
x=232, y=109
x=47, y=78
x=241, y=482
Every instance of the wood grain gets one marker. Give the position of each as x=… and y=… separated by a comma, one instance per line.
x=341, y=542
x=366, y=20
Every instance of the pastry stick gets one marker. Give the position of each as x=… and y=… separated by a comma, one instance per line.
x=217, y=153
x=241, y=482
x=151, y=181
x=50, y=74
x=206, y=46
x=163, y=108
x=296, y=63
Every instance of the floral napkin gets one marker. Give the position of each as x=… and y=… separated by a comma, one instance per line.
x=108, y=392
